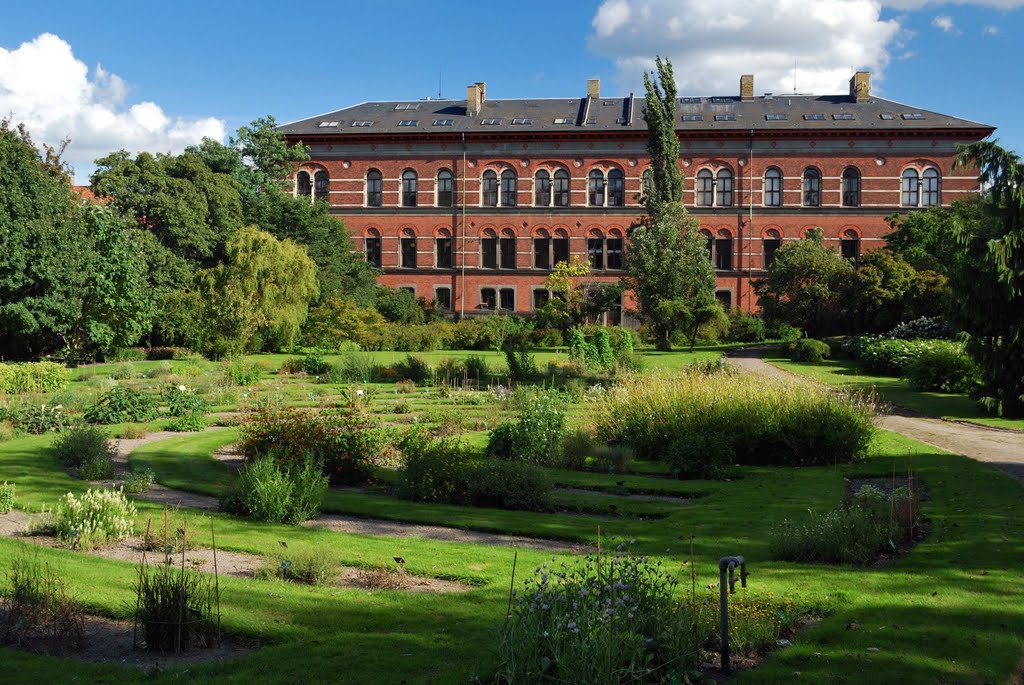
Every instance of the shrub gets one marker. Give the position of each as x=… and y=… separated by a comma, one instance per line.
x=241, y=372
x=436, y=470
x=942, y=367
x=129, y=354
x=576, y=446
x=612, y=458
x=182, y=401
x=7, y=491
x=189, y=423
x=352, y=367
x=308, y=566
x=767, y=420
x=97, y=468
x=95, y=518
x=33, y=419
x=175, y=607
x=783, y=332
x=701, y=455
x=852, y=535
x=139, y=481
x=706, y=367
x=37, y=606
x=293, y=365
x=83, y=445
x=476, y=368
x=886, y=356
x=536, y=436
x=927, y=327
x=451, y=369
x=548, y=337
x=124, y=372
x=122, y=405
x=413, y=369
x=270, y=491
x=508, y=485
x=313, y=363
x=522, y=365
x=746, y=328
x=33, y=377
x=808, y=350
x=405, y=387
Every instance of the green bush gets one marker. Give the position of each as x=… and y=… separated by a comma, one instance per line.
x=189, y=423
x=701, y=455
x=853, y=535
x=352, y=367
x=808, y=350
x=241, y=372
x=476, y=368
x=83, y=445
x=98, y=468
x=783, y=332
x=313, y=363
x=942, y=367
x=122, y=405
x=746, y=328
x=414, y=369
x=576, y=446
x=182, y=401
x=536, y=435
x=33, y=377
x=522, y=365
x=275, y=493
x=95, y=518
x=139, y=481
x=767, y=420
x=309, y=566
x=174, y=606
x=509, y=485
x=7, y=491
x=45, y=418
x=436, y=470
x=886, y=356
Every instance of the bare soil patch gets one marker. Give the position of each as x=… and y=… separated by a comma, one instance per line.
x=381, y=579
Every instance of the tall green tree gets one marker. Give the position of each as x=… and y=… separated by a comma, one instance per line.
x=885, y=290
x=266, y=155
x=668, y=267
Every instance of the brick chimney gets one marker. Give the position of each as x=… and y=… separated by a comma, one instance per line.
x=474, y=99
x=594, y=88
x=747, y=87
x=860, y=86
x=483, y=90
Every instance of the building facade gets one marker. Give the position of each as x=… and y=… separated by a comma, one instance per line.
x=472, y=202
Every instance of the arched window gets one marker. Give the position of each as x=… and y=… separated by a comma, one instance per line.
x=560, y=246
x=849, y=245
x=443, y=249
x=489, y=249
x=409, y=188
x=507, y=249
x=303, y=186
x=542, y=250
x=724, y=188
x=723, y=251
x=445, y=188
x=851, y=187
x=561, y=188
x=322, y=186
x=646, y=183
x=595, y=249
x=910, y=188
x=705, y=188
x=490, y=188
x=812, y=188
x=772, y=242
x=542, y=189
x=374, y=189
x=408, y=249
x=373, y=248
x=596, y=188
x=509, y=188
x=773, y=188
x=930, y=195
x=616, y=188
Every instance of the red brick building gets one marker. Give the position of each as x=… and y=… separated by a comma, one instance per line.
x=471, y=202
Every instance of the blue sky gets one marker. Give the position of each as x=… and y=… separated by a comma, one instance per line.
x=160, y=76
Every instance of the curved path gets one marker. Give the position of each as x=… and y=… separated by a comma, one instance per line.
x=1000, y=448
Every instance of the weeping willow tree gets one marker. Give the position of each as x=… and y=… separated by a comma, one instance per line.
x=988, y=282
x=259, y=295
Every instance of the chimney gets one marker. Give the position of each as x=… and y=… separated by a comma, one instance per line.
x=594, y=88
x=483, y=90
x=860, y=86
x=474, y=98
x=747, y=87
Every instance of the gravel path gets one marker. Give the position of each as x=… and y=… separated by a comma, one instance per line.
x=1002, y=449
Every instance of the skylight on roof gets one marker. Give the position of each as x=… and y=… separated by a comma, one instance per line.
x=408, y=122
x=913, y=116
x=563, y=120
x=886, y=116
x=690, y=101
x=721, y=100
x=443, y=122
x=693, y=117
x=775, y=117
x=405, y=106
x=490, y=122
x=814, y=117
x=522, y=122
x=362, y=124
x=843, y=116
x=725, y=117
x=327, y=124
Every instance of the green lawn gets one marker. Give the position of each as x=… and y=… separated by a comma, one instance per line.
x=844, y=372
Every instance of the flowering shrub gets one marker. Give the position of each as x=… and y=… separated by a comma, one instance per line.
x=535, y=437
x=97, y=517
x=928, y=327
x=33, y=419
x=122, y=405
x=766, y=420
x=33, y=377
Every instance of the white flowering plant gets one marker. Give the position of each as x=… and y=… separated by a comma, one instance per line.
x=95, y=518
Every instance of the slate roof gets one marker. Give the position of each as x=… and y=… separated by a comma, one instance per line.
x=697, y=114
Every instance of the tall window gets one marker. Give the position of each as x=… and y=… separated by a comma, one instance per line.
x=408, y=249
x=373, y=248
x=509, y=188
x=540, y=298
x=595, y=250
x=409, y=188
x=613, y=250
x=705, y=188
x=488, y=299
x=374, y=189
x=930, y=190
x=489, y=250
x=616, y=188
x=561, y=188
x=771, y=243
x=443, y=298
x=773, y=188
x=443, y=247
x=724, y=188
x=507, y=299
x=851, y=187
x=445, y=188
x=849, y=245
x=723, y=251
x=507, y=249
x=322, y=185
x=596, y=188
x=812, y=188
x=542, y=189
x=910, y=188
x=646, y=183
x=490, y=188
x=542, y=251
x=560, y=247
x=303, y=186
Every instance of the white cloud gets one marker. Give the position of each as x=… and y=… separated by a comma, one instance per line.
x=945, y=23
x=918, y=4
x=44, y=86
x=779, y=41
x=990, y=31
